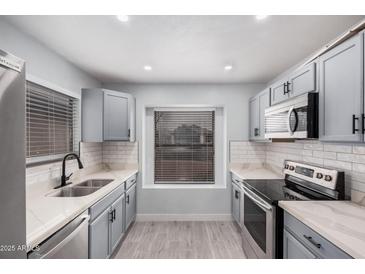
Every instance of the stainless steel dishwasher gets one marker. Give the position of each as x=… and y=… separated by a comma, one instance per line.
x=70, y=242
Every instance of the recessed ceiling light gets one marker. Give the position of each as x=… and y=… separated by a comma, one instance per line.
x=147, y=67
x=261, y=17
x=228, y=67
x=123, y=18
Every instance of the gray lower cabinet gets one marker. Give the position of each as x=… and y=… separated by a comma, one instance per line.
x=258, y=104
x=341, y=92
x=236, y=203
x=131, y=205
x=117, y=223
x=107, y=115
x=99, y=236
x=301, y=242
x=293, y=249
x=106, y=225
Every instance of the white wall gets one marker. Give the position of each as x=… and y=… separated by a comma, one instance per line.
x=43, y=63
x=190, y=201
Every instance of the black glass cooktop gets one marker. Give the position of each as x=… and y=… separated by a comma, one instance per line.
x=270, y=190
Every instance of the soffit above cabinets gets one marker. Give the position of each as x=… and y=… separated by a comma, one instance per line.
x=184, y=49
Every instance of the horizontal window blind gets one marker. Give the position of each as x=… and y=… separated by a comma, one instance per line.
x=184, y=146
x=52, y=124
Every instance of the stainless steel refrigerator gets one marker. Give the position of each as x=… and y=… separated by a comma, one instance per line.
x=12, y=157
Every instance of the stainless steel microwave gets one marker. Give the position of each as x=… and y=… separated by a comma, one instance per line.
x=293, y=119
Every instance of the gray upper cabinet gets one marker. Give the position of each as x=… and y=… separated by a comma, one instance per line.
x=302, y=80
x=258, y=104
x=116, y=116
x=279, y=91
x=254, y=118
x=341, y=92
x=107, y=115
x=130, y=205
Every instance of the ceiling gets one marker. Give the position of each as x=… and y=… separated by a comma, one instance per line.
x=184, y=49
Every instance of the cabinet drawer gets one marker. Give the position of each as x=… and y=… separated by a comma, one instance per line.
x=130, y=181
x=105, y=202
x=312, y=240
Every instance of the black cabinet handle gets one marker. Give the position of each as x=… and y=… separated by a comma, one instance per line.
x=285, y=88
x=127, y=200
x=112, y=216
x=363, y=123
x=236, y=194
x=257, y=132
x=354, y=119
x=310, y=239
x=129, y=133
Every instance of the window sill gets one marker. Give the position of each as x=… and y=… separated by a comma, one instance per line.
x=184, y=186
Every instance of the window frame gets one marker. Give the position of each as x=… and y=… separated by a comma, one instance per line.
x=35, y=161
x=221, y=148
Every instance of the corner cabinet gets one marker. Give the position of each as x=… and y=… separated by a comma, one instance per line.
x=257, y=106
x=301, y=242
x=107, y=115
x=341, y=92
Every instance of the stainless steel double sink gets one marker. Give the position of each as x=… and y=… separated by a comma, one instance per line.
x=82, y=189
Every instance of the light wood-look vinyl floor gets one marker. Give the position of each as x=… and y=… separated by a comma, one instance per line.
x=181, y=240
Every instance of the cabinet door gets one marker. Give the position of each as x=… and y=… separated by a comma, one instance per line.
x=236, y=203
x=99, y=236
x=278, y=92
x=303, y=80
x=341, y=92
x=116, y=116
x=254, y=118
x=130, y=201
x=293, y=249
x=117, y=224
x=264, y=102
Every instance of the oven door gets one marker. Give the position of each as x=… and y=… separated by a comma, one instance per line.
x=292, y=119
x=258, y=227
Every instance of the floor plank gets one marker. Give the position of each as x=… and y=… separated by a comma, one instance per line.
x=181, y=240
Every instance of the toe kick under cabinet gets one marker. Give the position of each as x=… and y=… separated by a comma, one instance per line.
x=107, y=115
x=110, y=218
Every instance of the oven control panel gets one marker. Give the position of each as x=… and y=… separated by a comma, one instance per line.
x=317, y=175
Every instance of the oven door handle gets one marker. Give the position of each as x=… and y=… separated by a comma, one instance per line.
x=261, y=204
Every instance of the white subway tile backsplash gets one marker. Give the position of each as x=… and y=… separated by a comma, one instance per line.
x=92, y=155
x=347, y=157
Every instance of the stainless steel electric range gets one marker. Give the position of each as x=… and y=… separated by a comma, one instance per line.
x=262, y=219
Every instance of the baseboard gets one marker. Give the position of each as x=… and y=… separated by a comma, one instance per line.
x=182, y=217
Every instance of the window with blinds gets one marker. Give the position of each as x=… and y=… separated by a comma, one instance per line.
x=184, y=147
x=52, y=124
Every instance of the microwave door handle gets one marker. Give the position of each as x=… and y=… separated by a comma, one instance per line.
x=256, y=201
x=290, y=130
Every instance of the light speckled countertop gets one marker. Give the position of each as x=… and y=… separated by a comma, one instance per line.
x=253, y=171
x=45, y=215
x=340, y=222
